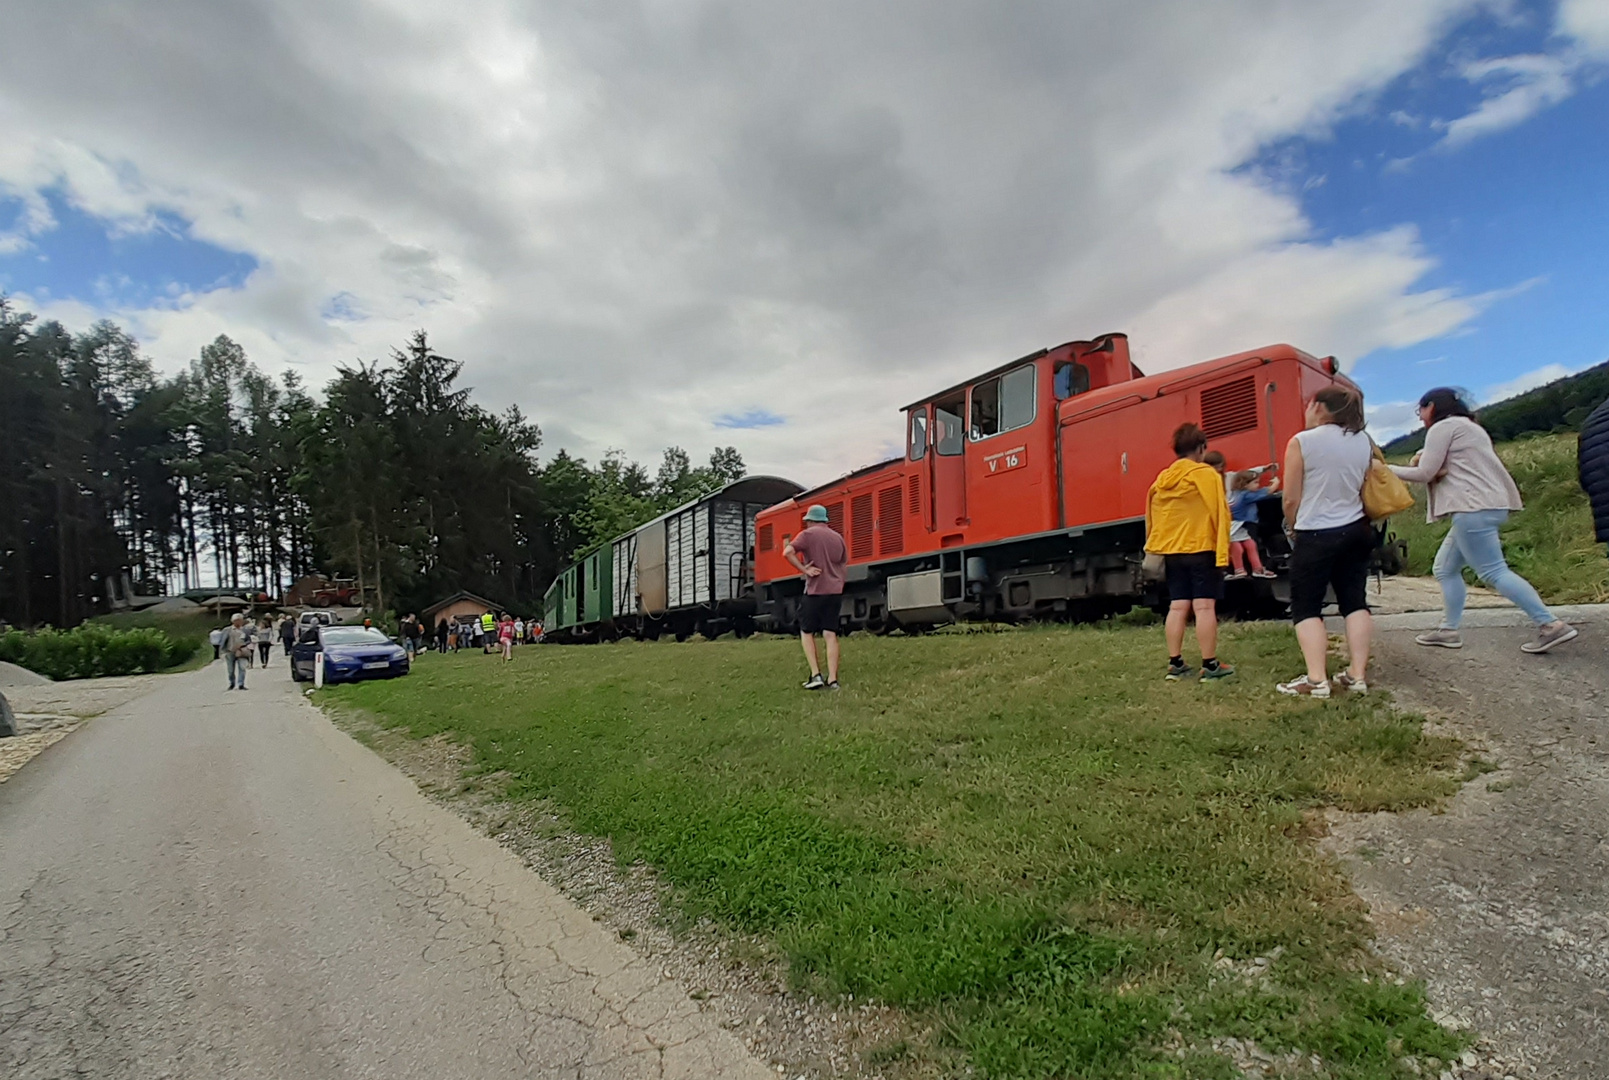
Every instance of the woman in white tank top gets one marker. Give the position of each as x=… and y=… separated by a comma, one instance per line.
x=1331, y=538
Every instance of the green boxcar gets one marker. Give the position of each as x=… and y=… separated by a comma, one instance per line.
x=594, y=587
x=579, y=603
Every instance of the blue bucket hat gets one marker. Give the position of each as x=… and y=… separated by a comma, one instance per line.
x=817, y=512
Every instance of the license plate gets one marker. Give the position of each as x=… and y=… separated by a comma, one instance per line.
x=375, y=665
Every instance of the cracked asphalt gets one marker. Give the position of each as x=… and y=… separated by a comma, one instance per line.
x=222, y=885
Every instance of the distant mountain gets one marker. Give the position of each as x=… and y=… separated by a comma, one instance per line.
x=1558, y=406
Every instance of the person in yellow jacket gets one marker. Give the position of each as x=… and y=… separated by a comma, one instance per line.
x=488, y=632
x=1187, y=523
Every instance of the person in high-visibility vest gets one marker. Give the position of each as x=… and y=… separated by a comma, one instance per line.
x=488, y=632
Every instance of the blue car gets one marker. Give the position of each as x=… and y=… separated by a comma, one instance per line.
x=350, y=653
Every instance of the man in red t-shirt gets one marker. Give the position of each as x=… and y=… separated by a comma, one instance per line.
x=819, y=553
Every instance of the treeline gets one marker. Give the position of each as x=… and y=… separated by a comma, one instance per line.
x=223, y=474
x=1561, y=405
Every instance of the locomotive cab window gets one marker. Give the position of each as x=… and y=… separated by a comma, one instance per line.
x=1071, y=379
x=918, y=434
x=948, y=431
x=1003, y=403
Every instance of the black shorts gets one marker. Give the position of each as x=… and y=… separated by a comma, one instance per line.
x=1196, y=576
x=1336, y=558
x=819, y=613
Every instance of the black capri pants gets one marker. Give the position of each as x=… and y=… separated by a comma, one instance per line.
x=1331, y=558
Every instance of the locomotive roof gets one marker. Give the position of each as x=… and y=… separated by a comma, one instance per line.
x=1097, y=340
x=863, y=470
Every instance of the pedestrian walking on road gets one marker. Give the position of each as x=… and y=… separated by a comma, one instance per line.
x=1592, y=458
x=237, y=651
x=819, y=553
x=1187, y=524
x=265, y=639
x=215, y=639
x=287, y=633
x=1331, y=538
x=1467, y=482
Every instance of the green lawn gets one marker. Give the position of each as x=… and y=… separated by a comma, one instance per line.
x=1550, y=542
x=1028, y=835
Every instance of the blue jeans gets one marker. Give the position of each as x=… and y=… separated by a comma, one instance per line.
x=237, y=666
x=1473, y=542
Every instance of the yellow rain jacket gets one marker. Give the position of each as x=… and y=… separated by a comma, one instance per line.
x=1186, y=511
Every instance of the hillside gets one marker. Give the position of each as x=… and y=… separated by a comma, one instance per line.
x=1559, y=406
x=1550, y=542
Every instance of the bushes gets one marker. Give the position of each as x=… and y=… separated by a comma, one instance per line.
x=92, y=650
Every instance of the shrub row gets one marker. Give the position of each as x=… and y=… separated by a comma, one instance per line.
x=92, y=650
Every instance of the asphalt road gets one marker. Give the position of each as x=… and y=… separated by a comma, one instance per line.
x=221, y=885
x=1500, y=900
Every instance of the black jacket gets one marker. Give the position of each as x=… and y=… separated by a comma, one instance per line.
x=1594, y=462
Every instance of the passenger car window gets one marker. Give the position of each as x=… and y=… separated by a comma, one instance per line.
x=918, y=434
x=948, y=437
x=1003, y=403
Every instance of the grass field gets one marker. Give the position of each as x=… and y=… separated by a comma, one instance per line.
x=1550, y=542
x=1028, y=835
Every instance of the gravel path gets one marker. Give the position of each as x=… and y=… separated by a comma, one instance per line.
x=210, y=884
x=1502, y=901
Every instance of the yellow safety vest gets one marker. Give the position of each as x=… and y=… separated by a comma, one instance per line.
x=487, y=623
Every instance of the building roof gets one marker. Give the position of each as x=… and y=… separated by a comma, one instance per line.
x=453, y=599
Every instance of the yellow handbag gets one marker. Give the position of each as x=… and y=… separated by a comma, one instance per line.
x=1384, y=493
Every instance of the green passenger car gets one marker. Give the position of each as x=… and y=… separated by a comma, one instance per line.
x=578, y=605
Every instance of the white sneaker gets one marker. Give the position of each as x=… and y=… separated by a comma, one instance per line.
x=1304, y=687
x=1345, y=681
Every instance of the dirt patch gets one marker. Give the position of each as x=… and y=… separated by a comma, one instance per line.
x=740, y=979
x=1500, y=899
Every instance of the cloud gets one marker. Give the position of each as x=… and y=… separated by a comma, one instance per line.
x=1587, y=21
x=1519, y=87
x=631, y=217
x=1530, y=380
x=749, y=419
x=1516, y=88
x=1392, y=419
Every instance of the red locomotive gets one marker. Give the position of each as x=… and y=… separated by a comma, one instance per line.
x=1022, y=492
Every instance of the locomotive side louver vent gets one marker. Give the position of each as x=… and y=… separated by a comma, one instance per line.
x=768, y=537
x=860, y=520
x=916, y=494
x=890, y=522
x=835, y=517
x=1229, y=408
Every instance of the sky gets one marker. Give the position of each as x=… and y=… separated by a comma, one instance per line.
x=771, y=224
